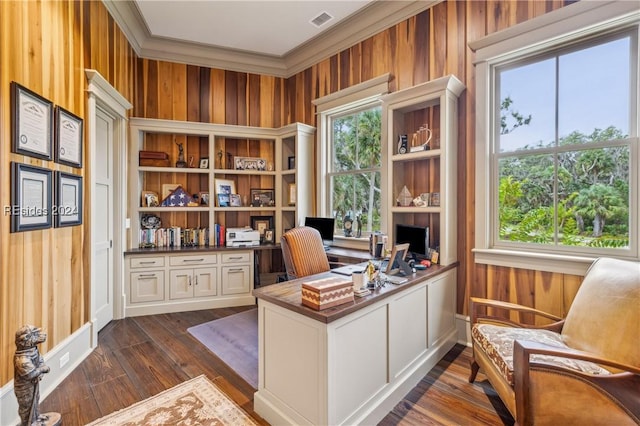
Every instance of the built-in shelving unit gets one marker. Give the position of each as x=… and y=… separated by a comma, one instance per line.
x=433, y=104
x=170, y=279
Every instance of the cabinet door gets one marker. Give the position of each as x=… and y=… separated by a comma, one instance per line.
x=236, y=279
x=205, y=282
x=180, y=283
x=147, y=286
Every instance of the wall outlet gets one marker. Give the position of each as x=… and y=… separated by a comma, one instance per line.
x=64, y=359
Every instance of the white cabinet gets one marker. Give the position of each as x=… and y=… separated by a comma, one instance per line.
x=236, y=273
x=146, y=286
x=172, y=280
x=186, y=283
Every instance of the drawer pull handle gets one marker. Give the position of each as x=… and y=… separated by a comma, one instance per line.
x=195, y=279
x=189, y=281
x=148, y=262
x=193, y=260
x=147, y=276
x=235, y=270
x=235, y=258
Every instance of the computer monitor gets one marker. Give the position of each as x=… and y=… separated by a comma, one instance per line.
x=324, y=225
x=416, y=236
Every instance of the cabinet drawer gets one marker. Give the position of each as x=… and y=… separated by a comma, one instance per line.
x=146, y=262
x=193, y=260
x=240, y=257
x=147, y=286
x=236, y=279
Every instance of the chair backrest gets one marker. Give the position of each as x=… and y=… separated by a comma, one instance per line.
x=303, y=252
x=604, y=318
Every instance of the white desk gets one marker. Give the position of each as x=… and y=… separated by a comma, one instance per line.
x=352, y=363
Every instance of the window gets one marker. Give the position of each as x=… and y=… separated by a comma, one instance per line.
x=349, y=156
x=354, y=173
x=558, y=153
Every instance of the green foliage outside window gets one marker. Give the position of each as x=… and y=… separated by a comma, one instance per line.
x=355, y=169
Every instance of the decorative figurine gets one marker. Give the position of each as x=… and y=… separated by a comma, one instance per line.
x=181, y=163
x=28, y=370
x=359, y=223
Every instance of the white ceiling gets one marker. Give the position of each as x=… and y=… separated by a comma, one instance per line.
x=260, y=36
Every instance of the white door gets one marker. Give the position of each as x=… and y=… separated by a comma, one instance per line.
x=102, y=226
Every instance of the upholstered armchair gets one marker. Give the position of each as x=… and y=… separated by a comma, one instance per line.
x=584, y=369
x=303, y=252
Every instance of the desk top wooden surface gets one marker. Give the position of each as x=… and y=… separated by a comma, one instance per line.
x=288, y=294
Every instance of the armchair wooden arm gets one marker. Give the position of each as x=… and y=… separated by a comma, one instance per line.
x=476, y=303
x=551, y=394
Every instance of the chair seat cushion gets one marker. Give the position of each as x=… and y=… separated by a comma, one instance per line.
x=497, y=343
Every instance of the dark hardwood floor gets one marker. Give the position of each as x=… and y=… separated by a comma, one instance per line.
x=141, y=356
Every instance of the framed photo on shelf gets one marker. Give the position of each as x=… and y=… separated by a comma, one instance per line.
x=262, y=197
x=225, y=186
x=223, y=200
x=235, y=200
x=261, y=224
x=250, y=163
x=150, y=199
x=68, y=147
x=291, y=163
x=204, y=197
x=68, y=208
x=292, y=194
x=31, y=123
x=31, y=203
x=269, y=236
x=204, y=163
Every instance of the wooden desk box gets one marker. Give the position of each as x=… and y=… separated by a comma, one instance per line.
x=326, y=292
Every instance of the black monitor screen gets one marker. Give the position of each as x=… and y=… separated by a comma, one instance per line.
x=416, y=236
x=324, y=225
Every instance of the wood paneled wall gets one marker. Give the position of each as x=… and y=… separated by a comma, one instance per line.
x=427, y=46
x=46, y=46
x=44, y=274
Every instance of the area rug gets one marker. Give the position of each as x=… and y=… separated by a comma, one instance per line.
x=233, y=339
x=194, y=402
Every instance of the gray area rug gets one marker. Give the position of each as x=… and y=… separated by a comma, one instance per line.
x=233, y=339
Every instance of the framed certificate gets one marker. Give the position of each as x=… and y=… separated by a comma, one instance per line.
x=31, y=204
x=68, y=208
x=31, y=123
x=68, y=149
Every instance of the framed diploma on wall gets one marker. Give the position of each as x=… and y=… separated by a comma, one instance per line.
x=31, y=203
x=31, y=123
x=68, y=137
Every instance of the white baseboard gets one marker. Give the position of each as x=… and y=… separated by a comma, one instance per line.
x=62, y=359
x=463, y=325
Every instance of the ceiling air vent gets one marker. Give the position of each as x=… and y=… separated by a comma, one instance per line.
x=321, y=19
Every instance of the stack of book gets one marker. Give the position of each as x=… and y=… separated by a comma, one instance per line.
x=176, y=237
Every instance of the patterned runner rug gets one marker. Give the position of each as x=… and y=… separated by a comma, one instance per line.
x=194, y=402
x=233, y=339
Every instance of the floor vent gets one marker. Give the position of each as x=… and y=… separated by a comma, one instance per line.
x=321, y=19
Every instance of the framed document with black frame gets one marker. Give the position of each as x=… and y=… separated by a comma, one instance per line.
x=31, y=203
x=68, y=207
x=68, y=138
x=31, y=123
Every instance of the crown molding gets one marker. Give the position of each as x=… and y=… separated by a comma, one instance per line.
x=374, y=18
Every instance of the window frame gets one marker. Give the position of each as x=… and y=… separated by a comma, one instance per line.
x=356, y=98
x=570, y=25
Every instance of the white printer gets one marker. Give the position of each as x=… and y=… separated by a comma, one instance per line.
x=242, y=237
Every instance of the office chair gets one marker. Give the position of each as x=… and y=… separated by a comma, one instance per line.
x=303, y=252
